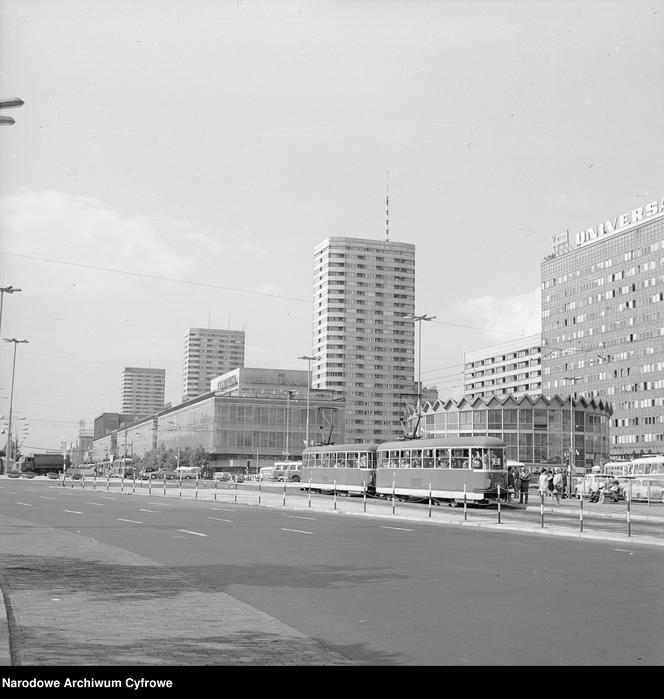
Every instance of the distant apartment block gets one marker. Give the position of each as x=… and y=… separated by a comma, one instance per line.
x=209, y=353
x=513, y=367
x=143, y=391
x=365, y=346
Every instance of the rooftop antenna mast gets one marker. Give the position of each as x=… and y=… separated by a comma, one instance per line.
x=387, y=207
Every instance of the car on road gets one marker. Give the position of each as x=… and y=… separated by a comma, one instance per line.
x=289, y=472
x=163, y=473
x=221, y=476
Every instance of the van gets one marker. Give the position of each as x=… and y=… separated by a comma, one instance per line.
x=184, y=472
x=288, y=471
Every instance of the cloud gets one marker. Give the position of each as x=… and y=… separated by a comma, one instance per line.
x=86, y=231
x=519, y=314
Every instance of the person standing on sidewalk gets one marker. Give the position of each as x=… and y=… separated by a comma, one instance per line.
x=524, y=485
x=557, y=485
x=543, y=483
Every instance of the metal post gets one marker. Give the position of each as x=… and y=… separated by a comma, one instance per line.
x=108, y=481
x=94, y=482
x=581, y=509
x=542, y=507
x=180, y=484
x=215, y=490
x=133, y=488
x=393, y=494
x=149, y=484
x=465, y=503
x=629, y=516
x=260, y=481
x=335, y=495
x=122, y=482
x=236, y=489
x=429, y=500
x=498, y=503
x=196, y=492
x=83, y=482
x=164, y=485
x=309, y=492
x=364, y=495
x=284, y=501
x=648, y=493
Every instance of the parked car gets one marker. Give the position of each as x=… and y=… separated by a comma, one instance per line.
x=644, y=489
x=163, y=473
x=13, y=474
x=590, y=483
x=221, y=476
x=28, y=474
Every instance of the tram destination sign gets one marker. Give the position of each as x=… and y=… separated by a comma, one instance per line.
x=620, y=223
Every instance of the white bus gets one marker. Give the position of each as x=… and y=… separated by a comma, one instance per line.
x=287, y=471
x=616, y=468
x=647, y=466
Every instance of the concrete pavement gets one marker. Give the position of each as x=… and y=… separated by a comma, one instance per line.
x=70, y=600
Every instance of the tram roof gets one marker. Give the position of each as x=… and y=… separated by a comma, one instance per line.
x=444, y=442
x=327, y=448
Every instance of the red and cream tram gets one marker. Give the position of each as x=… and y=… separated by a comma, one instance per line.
x=346, y=468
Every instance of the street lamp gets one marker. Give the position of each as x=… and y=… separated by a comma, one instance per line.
x=573, y=379
x=11, y=402
x=7, y=104
x=418, y=319
x=309, y=360
x=6, y=290
x=289, y=395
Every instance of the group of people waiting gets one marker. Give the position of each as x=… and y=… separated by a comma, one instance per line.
x=551, y=483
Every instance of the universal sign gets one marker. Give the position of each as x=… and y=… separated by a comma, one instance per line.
x=620, y=222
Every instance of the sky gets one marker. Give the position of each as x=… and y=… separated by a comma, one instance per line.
x=176, y=163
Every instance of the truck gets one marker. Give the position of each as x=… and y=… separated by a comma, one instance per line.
x=41, y=464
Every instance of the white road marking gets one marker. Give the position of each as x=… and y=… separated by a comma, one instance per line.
x=133, y=521
x=186, y=531
x=27, y=504
x=163, y=504
x=298, y=517
x=107, y=497
x=297, y=531
x=74, y=512
x=401, y=529
x=140, y=509
x=96, y=504
x=222, y=509
x=46, y=497
x=219, y=519
x=631, y=553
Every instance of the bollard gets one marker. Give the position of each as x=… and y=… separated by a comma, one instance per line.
x=150, y=484
x=108, y=482
x=94, y=482
x=164, y=485
x=648, y=492
x=429, y=500
x=498, y=503
x=196, y=489
x=180, y=484
x=542, y=507
x=364, y=494
x=72, y=481
x=465, y=503
x=629, y=518
x=236, y=489
x=309, y=492
x=393, y=493
x=133, y=487
x=335, y=495
x=215, y=491
x=284, y=500
x=83, y=482
x=581, y=510
x=260, y=481
x=122, y=483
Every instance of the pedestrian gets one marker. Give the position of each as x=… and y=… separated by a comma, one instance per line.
x=524, y=485
x=557, y=485
x=511, y=483
x=550, y=488
x=543, y=483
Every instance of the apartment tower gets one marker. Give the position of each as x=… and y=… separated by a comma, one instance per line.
x=143, y=391
x=363, y=344
x=209, y=353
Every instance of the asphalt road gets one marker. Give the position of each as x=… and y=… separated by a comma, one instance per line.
x=386, y=592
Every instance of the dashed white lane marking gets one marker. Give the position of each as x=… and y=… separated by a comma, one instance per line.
x=297, y=531
x=401, y=529
x=133, y=521
x=27, y=504
x=74, y=512
x=96, y=504
x=313, y=519
x=163, y=504
x=140, y=509
x=186, y=531
x=631, y=553
x=222, y=509
x=107, y=497
x=219, y=519
x=46, y=497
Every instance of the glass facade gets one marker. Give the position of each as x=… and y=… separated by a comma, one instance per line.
x=603, y=328
x=535, y=429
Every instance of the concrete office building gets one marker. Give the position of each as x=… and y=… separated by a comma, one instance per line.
x=143, y=391
x=510, y=367
x=365, y=347
x=209, y=353
x=603, y=323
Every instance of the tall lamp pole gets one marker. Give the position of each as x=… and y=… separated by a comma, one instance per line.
x=289, y=394
x=6, y=290
x=418, y=319
x=11, y=403
x=570, y=464
x=309, y=360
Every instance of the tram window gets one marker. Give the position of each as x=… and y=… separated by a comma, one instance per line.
x=476, y=459
x=324, y=460
x=658, y=469
x=427, y=459
x=442, y=458
x=363, y=461
x=416, y=458
x=351, y=459
x=394, y=459
x=497, y=459
x=460, y=458
x=404, y=459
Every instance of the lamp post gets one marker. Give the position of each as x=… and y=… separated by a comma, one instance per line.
x=309, y=360
x=6, y=290
x=570, y=467
x=418, y=319
x=11, y=403
x=289, y=394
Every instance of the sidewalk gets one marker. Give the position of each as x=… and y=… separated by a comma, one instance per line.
x=70, y=600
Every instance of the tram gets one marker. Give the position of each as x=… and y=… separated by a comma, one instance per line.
x=448, y=469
